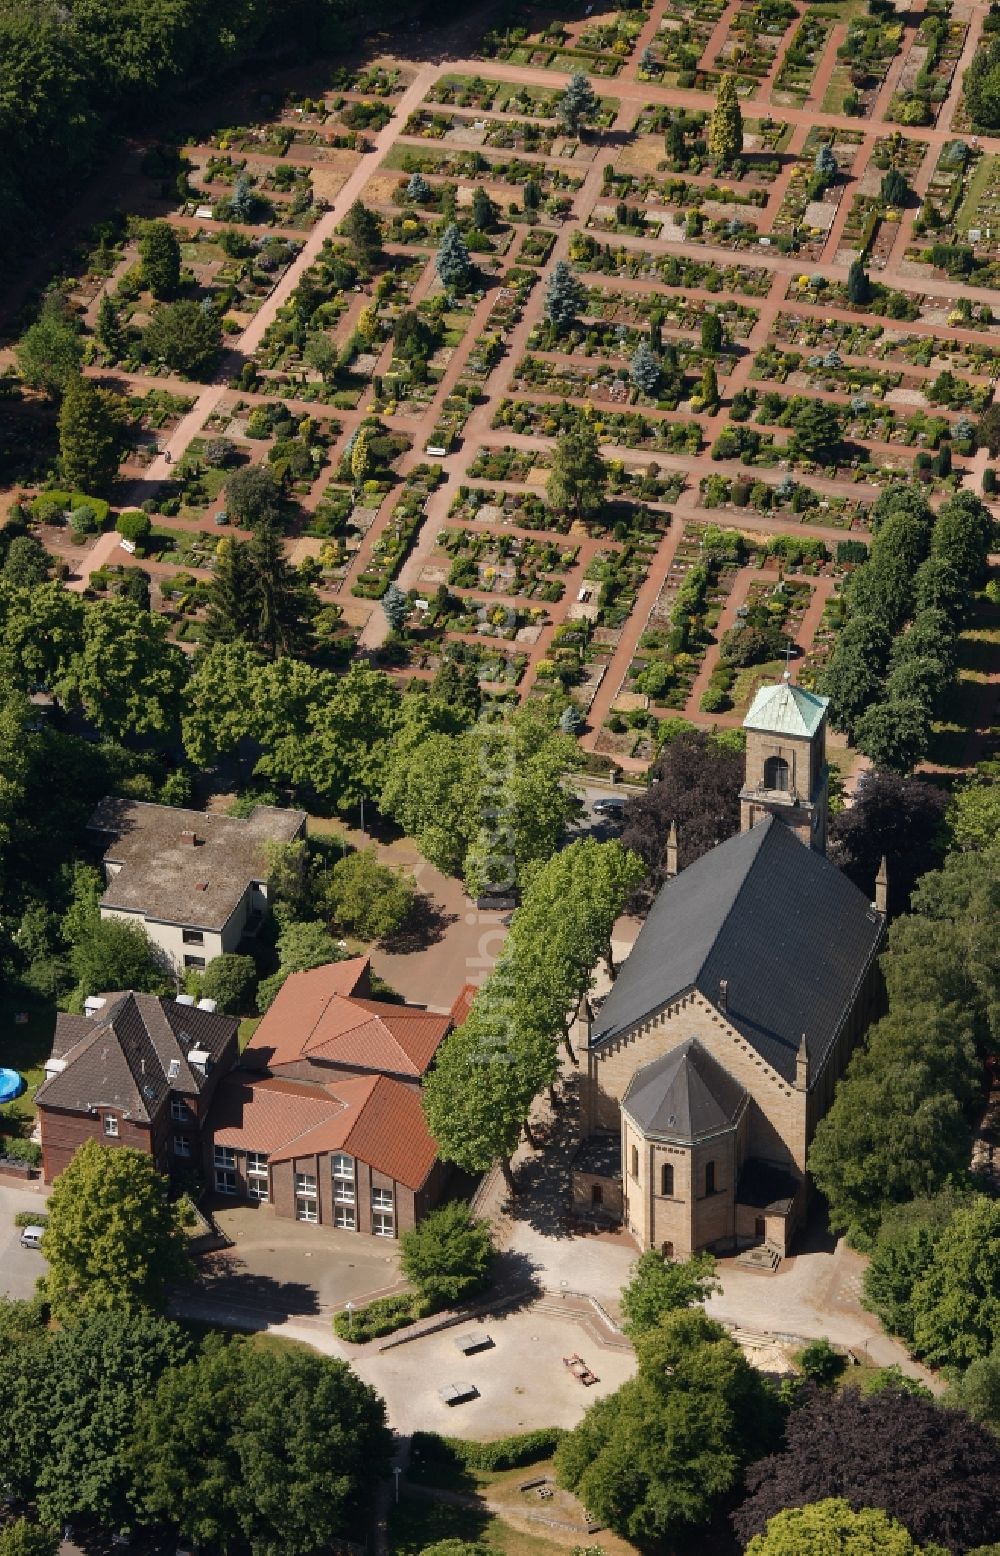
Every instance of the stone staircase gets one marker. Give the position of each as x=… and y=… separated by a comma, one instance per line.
x=763, y=1256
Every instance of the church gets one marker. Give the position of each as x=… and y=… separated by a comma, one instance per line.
x=717, y=1050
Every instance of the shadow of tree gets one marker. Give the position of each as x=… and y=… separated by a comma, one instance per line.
x=226, y=1280
x=424, y=927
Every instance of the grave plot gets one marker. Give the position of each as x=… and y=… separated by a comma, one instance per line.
x=880, y=199
x=628, y=429
x=829, y=373
x=668, y=269
x=801, y=503
x=755, y=36
x=801, y=59
x=817, y=185
x=398, y=533
x=609, y=306
x=864, y=57
x=685, y=29
x=887, y=344
x=598, y=44
x=958, y=228
x=507, y=564
x=929, y=66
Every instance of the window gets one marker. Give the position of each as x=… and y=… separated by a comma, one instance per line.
x=635, y=1162
x=382, y=1199
x=776, y=773
x=111, y=1125
x=342, y=1168
x=759, y=1227
x=667, y=1250
x=225, y=1156
x=225, y=1180
x=192, y=937
x=182, y=1145
x=257, y=1184
x=178, y=1110
x=194, y=961
x=666, y=1179
x=382, y=1224
x=306, y=1209
x=343, y=1216
x=709, y=1177
x=305, y=1184
x=596, y=1194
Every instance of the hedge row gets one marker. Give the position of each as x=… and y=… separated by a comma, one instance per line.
x=31, y=1218
x=381, y=1317
x=503, y=1453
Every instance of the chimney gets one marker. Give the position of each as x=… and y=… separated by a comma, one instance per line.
x=882, y=888
x=802, y=1066
x=724, y=995
x=189, y=838
x=670, y=856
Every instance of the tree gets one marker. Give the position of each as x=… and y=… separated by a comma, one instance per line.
x=578, y=477
x=929, y=1468
x=956, y=1301
x=974, y=816
x=187, y=337
x=26, y=564
x=653, y=1460
x=897, y=819
x=112, y=1240
x=903, y=1251
x=301, y=947
x=817, y=433
x=396, y=606
x=22, y=1538
x=657, y=1286
x=833, y=1528
x=578, y=105
x=362, y=460
x=695, y=783
x=448, y=1255
x=91, y=441
x=859, y=289
x=253, y=496
x=711, y=332
x=229, y=980
x=484, y=211
x=725, y=127
x=485, y=1077
x=987, y=430
x=709, y=387
x=160, y=254
x=282, y=602
x=565, y=297
x=115, y=954
x=418, y=189
x=109, y=331
x=50, y=351
x=977, y=1391
x=825, y=164
x=281, y=1450
x=855, y=674
x=894, y=189
x=460, y=1548
x=453, y=264
x=369, y=898
x=364, y=232
x=644, y=370
x=98, y=1365
x=963, y=535
x=894, y=734
x=127, y=674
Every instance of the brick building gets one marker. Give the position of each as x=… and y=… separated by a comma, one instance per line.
x=139, y=1071
x=717, y=1051
x=323, y=1120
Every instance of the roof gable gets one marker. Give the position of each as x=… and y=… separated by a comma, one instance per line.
x=788, y=932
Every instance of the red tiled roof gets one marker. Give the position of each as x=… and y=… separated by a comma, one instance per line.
x=316, y=1015
x=375, y=1118
x=463, y=1003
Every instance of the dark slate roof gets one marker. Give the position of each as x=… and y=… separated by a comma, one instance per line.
x=122, y=1057
x=766, y=1187
x=683, y=1095
x=788, y=931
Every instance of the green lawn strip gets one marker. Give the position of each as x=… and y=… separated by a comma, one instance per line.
x=25, y=1047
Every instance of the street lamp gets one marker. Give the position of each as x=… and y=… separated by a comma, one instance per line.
x=362, y=815
x=397, y=1471
x=350, y=1318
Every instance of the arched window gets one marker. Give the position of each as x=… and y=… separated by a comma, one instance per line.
x=635, y=1162
x=666, y=1179
x=776, y=773
x=709, y=1177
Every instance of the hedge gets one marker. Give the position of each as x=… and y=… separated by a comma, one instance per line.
x=383, y=1316
x=67, y=501
x=18, y=1150
x=503, y=1453
x=31, y=1218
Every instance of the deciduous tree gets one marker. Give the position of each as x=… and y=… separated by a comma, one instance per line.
x=369, y=898
x=578, y=477
x=833, y=1528
x=448, y=1255
x=695, y=784
x=657, y=1286
x=160, y=254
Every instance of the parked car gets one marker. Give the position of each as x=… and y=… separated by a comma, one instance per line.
x=612, y=806
x=31, y=1237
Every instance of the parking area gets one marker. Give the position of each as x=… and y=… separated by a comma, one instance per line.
x=19, y=1267
x=290, y=1270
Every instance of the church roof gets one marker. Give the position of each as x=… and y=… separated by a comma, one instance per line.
x=786, y=709
x=790, y=934
x=683, y=1095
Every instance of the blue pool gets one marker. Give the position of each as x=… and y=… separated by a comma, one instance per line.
x=11, y=1085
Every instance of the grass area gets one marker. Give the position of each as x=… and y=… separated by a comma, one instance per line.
x=838, y=88
x=248, y=1026
x=749, y=680
x=25, y=1046
x=414, y=1524
x=986, y=174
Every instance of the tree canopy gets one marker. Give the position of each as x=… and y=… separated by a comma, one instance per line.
x=448, y=1254
x=834, y=1528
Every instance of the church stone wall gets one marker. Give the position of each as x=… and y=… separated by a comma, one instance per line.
x=777, y=1130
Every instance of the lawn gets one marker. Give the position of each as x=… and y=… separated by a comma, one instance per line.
x=26, y=1046
x=986, y=176
x=416, y=1523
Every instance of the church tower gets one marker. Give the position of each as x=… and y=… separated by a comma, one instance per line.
x=786, y=772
